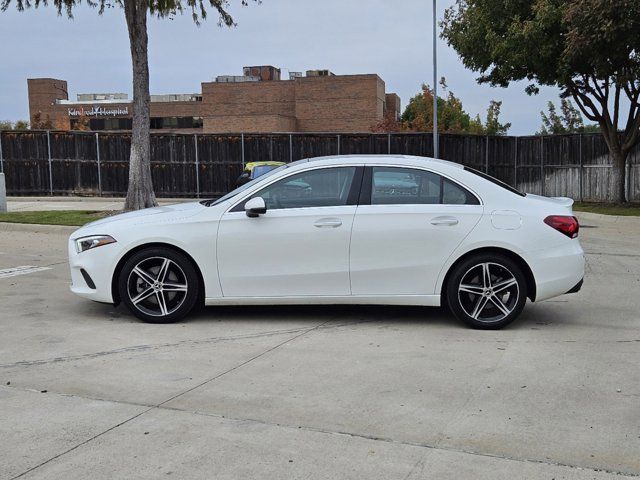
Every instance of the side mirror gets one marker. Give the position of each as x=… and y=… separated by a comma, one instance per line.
x=255, y=207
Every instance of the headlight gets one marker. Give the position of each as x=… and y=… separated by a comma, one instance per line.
x=87, y=243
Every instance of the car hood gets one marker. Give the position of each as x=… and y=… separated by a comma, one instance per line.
x=163, y=214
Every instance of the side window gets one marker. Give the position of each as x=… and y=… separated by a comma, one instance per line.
x=454, y=194
x=393, y=185
x=325, y=187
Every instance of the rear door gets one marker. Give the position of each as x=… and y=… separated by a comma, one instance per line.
x=408, y=223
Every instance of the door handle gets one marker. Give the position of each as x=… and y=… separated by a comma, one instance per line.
x=448, y=221
x=328, y=223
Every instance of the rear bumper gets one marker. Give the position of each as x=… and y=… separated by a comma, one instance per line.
x=557, y=270
x=576, y=287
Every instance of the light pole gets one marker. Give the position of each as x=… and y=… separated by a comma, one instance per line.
x=435, y=86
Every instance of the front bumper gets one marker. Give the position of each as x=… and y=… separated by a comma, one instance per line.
x=99, y=265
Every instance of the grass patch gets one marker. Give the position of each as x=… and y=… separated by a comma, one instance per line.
x=627, y=209
x=54, y=217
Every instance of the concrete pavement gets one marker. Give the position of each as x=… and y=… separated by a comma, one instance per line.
x=87, y=391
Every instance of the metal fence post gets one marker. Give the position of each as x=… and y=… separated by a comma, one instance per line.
x=580, y=168
x=99, y=168
x=290, y=148
x=242, y=138
x=49, y=155
x=338, y=138
x=195, y=143
x=271, y=148
x=541, y=165
x=1, y=155
x=486, y=156
x=515, y=165
x=389, y=143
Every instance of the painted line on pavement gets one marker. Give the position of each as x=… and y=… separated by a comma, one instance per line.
x=21, y=270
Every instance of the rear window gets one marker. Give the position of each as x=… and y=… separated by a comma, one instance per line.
x=495, y=181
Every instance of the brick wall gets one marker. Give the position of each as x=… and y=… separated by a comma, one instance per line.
x=345, y=103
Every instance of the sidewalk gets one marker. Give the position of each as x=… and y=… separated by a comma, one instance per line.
x=39, y=204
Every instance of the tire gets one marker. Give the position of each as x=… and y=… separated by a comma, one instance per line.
x=484, y=301
x=159, y=285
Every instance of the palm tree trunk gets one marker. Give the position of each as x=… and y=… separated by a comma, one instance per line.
x=140, y=192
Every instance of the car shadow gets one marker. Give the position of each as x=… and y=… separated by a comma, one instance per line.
x=316, y=314
x=530, y=319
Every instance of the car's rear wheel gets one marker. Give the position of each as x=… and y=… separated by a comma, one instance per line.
x=487, y=291
x=159, y=285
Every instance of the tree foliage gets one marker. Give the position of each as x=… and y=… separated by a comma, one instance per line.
x=18, y=125
x=140, y=192
x=588, y=48
x=41, y=123
x=452, y=117
x=569, y=120
x=158, y=8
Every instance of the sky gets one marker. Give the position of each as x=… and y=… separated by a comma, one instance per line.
x=392, y=39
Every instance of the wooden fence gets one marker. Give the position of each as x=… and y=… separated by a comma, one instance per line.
x=207, y=165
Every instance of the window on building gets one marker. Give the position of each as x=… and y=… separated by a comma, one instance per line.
x=157, y=123
x=165, y=123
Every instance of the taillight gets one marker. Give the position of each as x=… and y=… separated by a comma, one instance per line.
x=564, y=224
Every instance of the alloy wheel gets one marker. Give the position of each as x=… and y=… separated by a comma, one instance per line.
x=488, y=292
x=157, y=286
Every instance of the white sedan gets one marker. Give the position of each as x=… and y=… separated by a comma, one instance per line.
x=378, y=229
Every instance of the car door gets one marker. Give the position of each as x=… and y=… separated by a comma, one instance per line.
x=408, y=223
x=300, y=246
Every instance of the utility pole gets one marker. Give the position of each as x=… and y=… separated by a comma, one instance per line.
x=435, y=85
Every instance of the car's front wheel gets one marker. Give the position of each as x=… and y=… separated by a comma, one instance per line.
x=159, y=285
x=487, y=291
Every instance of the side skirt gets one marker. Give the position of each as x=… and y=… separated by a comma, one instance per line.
x=424, y=300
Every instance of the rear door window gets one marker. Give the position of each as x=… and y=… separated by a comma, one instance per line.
x=397, y=185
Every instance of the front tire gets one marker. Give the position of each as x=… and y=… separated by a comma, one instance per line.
x=159, y=285
x=487, y=291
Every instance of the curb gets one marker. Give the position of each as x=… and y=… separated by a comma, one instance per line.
x=36, y=228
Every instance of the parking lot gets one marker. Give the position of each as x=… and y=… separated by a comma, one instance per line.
x=87, y=391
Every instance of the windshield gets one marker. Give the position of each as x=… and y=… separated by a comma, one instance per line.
x=233, y=193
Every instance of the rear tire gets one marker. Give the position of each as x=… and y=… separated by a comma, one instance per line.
x=159, y=285
x=487, y=291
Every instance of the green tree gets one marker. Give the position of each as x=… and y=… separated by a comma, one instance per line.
x=140, y=192
x=5, y=125
x=493, y=126
x=569, y=120
x=39, y=123
x=21, y=125
x=452, y=118
x=587, y=48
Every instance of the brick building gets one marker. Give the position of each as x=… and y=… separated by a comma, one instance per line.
x=257, y=101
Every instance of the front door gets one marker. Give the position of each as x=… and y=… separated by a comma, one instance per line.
x=300, y=246
x=408, y=224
